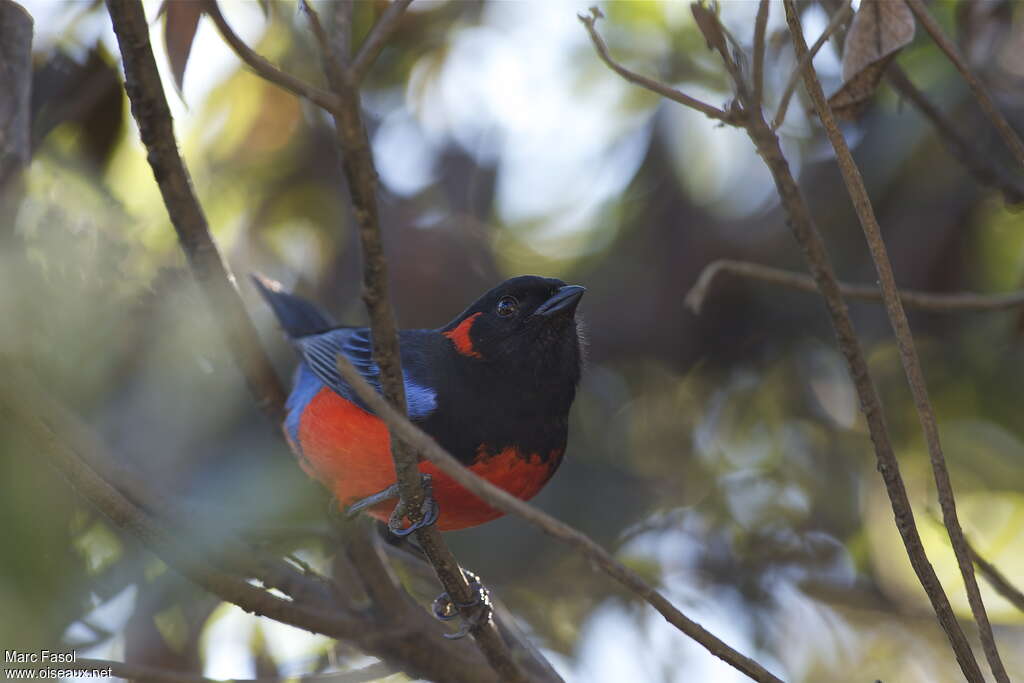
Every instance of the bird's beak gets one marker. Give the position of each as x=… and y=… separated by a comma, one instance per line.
x=564, y=300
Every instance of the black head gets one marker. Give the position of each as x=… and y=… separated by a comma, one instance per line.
x=525, y=321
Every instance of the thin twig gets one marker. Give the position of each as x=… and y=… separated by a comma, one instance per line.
x=361, y=174
x=998, y=580
x=264, y=68
x=905, y=342
x=151, y=111
x=1009, y=135
x=760, y=24
x=936, y=303
x=378, y=38
x=982, y=166
x=500, y=499
x=811, y=242
x=648, y=83
x=841, y=15
x=314, y=24
x=149, y=107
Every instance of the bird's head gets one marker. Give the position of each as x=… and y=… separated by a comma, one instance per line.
x=527, y=323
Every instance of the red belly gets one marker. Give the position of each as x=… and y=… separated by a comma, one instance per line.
x=349, y=450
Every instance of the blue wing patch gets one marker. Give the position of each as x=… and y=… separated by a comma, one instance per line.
x=320, y=352
x=307, y=385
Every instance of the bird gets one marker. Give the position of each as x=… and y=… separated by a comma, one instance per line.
x=494, y=387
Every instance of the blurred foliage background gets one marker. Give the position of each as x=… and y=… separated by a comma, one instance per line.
x=722, y=455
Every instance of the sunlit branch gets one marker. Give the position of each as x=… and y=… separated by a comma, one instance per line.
x=908, y=356
x=998, y=580
x=149, y=107
x=936, y=303
x=1006, y=131
x=264, y=68
x=812, y=244
x=361, y=174
x=500, y=499
x=648, y=83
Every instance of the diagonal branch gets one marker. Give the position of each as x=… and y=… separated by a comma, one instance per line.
x=1006, y=131
x=905, y=342
x=983, y=167
x=361, y=174
x=378, y=38
x=926, y=301
x=811, y=242
x=654, y=86
x=760, y=24
x=998, y=580
x=509, y=504
x=264, y=68
x=837, y=20
x=149, y=107
x=409, y=638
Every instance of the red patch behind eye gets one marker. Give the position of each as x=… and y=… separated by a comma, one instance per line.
x=460, y=337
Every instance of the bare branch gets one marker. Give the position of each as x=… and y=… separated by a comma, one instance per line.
x=377, y=38
x=905, y=342
x=841, y=15
x=264, y=68
x=984, y=169
x=760, y=24
x=936, y=303
x=149, y=107
x=500, y=499
x=361, y=174
x=410, y=639
x=812, y=244
x=998, y=580
x=1009, y=135
x=648, y=83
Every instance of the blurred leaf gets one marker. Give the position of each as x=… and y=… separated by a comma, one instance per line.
x=99, y=546
x=880, y=29
x=173, y=627
x=181, y=19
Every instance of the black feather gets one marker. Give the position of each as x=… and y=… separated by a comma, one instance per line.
x=298, y=317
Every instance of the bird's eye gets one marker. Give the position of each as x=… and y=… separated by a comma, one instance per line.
x=508, y=306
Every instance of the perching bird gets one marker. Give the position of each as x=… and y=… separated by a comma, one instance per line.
x=493, y=387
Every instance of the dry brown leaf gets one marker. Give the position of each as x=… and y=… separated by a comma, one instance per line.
x=181, y=19
x=880, y=29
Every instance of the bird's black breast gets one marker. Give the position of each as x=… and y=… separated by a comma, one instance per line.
x=483, y=410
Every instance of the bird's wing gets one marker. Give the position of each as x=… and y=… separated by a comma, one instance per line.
x=320, y=351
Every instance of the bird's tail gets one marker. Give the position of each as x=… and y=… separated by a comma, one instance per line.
x=298, y=317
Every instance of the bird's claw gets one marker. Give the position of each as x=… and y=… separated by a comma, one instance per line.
x=428, y=515
x=446, y=609
x=429, y=511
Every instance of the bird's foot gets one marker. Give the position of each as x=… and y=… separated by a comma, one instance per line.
x=428, y=511
x=446, y=609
